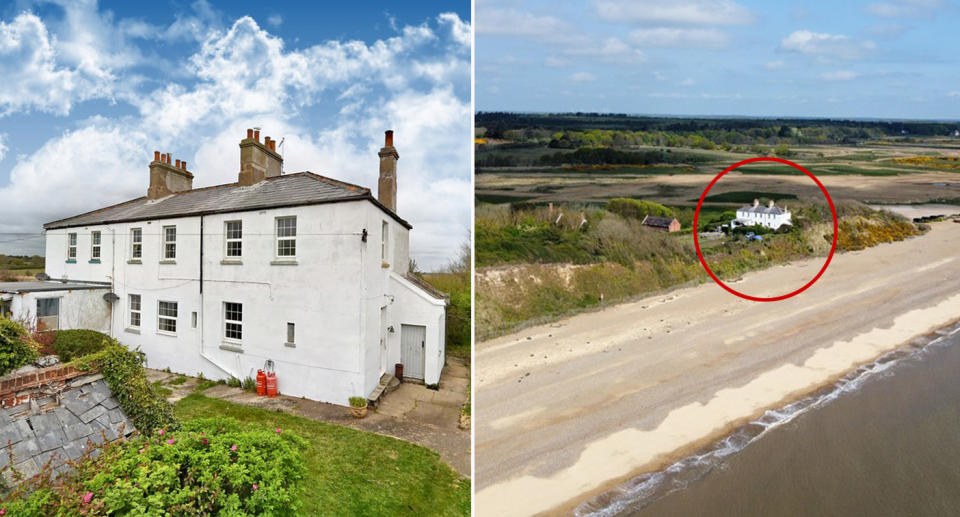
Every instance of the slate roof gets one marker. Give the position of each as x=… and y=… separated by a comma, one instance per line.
x=298, y=189
x=760, y=209
x=88, y=411
x=40, y=286
x=656, y=221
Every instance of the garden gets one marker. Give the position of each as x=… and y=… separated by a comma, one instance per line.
x=205, y=456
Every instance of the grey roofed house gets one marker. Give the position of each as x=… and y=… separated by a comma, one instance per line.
x=35, y=286
x=656, y=221
x=757, y=208
x=297, y=189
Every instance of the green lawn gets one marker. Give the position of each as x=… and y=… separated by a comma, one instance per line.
x=351, y=472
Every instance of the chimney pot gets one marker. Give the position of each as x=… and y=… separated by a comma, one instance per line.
x=168, y=158
x=249, y=133
x=156, y=156
x=256, y=135
x=388, y=140
x=184, y=164
x=178, y=163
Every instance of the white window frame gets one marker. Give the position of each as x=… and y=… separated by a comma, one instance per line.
x=228, y=239
x=72, y=246
x=167, y=242
x=136, y=243
x=285, y=238
x=174, y=318
x=384, y=240
x=138, y=311
x=95, y=241
x=227, y=322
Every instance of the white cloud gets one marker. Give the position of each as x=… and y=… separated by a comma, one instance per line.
x=839, y=75
x=674, y=37
x=774, y=65
x=693, y=12
x=245, y=76
x=32, y=78
x=513, y=22
x=460, y=30
x=954, y=93
x=905, y=8
x=826, y=45
x=3, y=146
x=611, y=50
x=275, y=20
x=687, y=82
x=553, y=61
x=582, y=77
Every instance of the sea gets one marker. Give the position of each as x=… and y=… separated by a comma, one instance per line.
x=882, y=441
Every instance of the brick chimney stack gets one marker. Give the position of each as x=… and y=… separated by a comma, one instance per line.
x=387, y=187
x=258, y=160
x=166, y=178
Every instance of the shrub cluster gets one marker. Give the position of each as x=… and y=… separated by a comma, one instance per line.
x=16, y=346
x=209, y=467
x=70, y=344
x=140, y=400
x=637, y=208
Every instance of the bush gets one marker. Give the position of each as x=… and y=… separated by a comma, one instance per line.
x=16, y=347
x=140, y=400
x=210, y=467
x=70, y=344
x=358, y=402
x=637, y=208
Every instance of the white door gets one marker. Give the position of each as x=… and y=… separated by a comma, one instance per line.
x=383, y=340
x=412, y=342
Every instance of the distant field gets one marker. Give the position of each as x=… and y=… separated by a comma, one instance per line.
x=745, y=197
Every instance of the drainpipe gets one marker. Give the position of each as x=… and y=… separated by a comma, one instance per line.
x=113, y=273
x=203, y=353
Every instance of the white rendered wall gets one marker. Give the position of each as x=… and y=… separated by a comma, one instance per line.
x=79, y=309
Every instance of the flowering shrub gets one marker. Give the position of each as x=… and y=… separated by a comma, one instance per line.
x=123, y=370
x=209, y=467
x=16, y=346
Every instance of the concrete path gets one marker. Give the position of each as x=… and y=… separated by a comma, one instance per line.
x=413, y=412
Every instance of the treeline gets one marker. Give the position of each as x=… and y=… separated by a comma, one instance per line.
x=716, y=129
x=21, y=262
x=608, y=156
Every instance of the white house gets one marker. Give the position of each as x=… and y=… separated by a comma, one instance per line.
x=303, y=270
x=770, y=216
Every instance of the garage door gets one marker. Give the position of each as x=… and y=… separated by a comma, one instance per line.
x=412, y=341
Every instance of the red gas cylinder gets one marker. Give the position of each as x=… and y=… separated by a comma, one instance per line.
x=261, y=383
x=271, y=384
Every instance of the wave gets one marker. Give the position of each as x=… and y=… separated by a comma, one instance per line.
x=651, y=487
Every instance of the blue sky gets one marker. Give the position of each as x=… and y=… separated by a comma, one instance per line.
x=881, y=59
x=92, y=89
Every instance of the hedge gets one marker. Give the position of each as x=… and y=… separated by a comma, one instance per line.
x=123, y=370
x=210, y=467
x=16, y=346
x=70, y=344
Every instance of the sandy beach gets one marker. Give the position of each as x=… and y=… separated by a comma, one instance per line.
x=570, y=408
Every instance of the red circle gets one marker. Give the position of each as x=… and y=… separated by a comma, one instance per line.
x=833, y=246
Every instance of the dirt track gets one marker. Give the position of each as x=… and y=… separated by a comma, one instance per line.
x=567, y=408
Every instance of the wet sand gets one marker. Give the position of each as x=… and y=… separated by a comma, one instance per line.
x=569, y=409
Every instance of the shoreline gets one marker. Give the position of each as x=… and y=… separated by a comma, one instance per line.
x=712, y=443
x=609, y=461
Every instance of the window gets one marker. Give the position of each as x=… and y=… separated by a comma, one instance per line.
x=291, y=333
x=135, y=310
x=169, y=242
x=167, y=317
x=233, y=234
x=6, y=309
x=94, y=245
x=136, y=243
x=71, y=246
x=233, y=321
x=48, y=313
x=286, y=236
x=193, y=319
x=384, y=234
